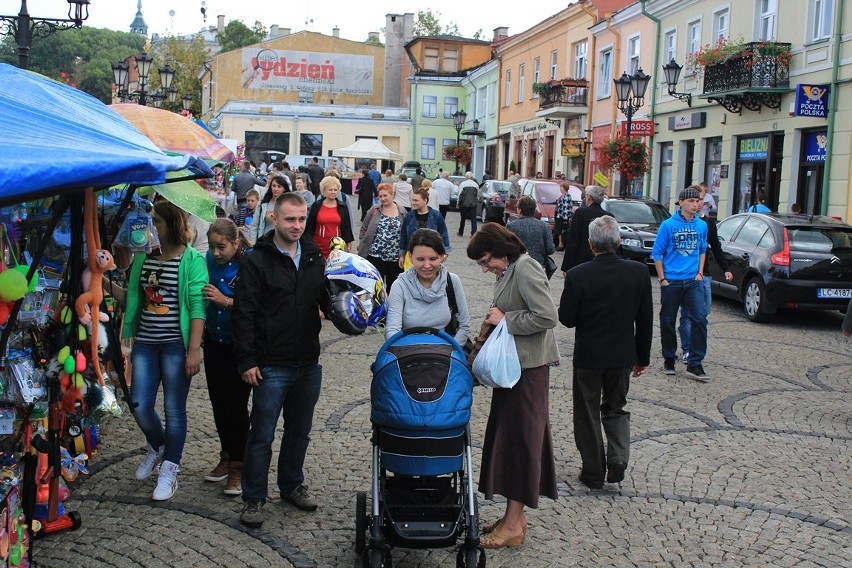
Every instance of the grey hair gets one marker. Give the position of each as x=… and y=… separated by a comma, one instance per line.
x=604, y=234
x=468, y=175
x=596, y=192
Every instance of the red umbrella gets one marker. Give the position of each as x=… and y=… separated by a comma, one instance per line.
x=174, y=133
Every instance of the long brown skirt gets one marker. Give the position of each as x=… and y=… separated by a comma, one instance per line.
x=517, y=455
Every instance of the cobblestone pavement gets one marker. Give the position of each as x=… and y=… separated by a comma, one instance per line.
x=752, y=468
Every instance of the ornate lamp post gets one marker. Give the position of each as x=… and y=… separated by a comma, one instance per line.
x=186, y=102
x=630, y=91
x=458, y=122
x=143, y=68
x=671, y=70
x=25, y=27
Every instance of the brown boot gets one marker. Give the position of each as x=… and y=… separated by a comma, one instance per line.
x=219, y=472
x=234, y=486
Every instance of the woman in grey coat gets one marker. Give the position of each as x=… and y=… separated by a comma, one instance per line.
x=534, y=233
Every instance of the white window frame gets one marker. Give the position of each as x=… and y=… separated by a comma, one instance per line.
x=536, y=73
x=693, y=43
x=431, y=104
x=581, y=60
x=522, y=71
x=634, y=45
x=427, y=148
x=721, y=24
x=447, y=142
x=554, y=64
x=507, y=98
x=450, y=107
x=766, y=21
x=604, y=89
x=670, y=46
x=820, y=19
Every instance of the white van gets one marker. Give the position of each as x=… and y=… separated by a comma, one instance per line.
x=324, y=162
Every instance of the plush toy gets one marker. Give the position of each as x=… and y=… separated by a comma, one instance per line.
x=99, y=262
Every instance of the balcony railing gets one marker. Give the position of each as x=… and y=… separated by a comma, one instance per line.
x=754, y=78
x=567, y=93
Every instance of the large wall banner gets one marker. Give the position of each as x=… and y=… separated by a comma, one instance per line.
x=307, y=71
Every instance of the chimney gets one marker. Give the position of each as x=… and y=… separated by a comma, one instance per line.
x=284, y=31
x=373, y=36
x=501, y=33
x=335, y=31
x=273, y=31
x=220, y=23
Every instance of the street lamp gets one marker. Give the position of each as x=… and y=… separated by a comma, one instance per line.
x=458, y=122
x=143, y=69
x=630, y=91
x=671, y=70
x=186, y=102
x=24, y=27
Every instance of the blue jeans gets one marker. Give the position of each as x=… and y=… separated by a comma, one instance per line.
x=688, y=297
x=154, y=363
x=296, y=391
x=685, y=327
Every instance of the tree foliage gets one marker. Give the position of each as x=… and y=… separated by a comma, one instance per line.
x=428, y=23
x=373, y=40
x=82, y=57
x=186, y=55
x=236, y=35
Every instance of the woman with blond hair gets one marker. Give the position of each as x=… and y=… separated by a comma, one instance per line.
x=378, y=240
x=328, y=217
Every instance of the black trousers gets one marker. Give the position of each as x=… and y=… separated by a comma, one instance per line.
x=229, y=396
x=600, y=396
x=443, y=210
x=390, y=270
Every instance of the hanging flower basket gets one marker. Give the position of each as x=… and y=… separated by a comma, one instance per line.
x=628, y=156
x=458, y=152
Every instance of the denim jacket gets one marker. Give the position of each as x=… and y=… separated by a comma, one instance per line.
x=434, y=221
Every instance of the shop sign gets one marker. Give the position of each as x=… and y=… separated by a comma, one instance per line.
x=687, y=121
x=753, y=148
x=573, y=147
x=815, y=146
x=812, y=100
x=306, y=71
x=638, y=128
x=601, y=179
x=723, y=171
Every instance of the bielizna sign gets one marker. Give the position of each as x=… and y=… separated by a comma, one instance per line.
x=812, y=100
x=753, y=148
x=307, y=71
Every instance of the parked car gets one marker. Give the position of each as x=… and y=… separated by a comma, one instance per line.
x=494, y=195
x=784, y=261
x=545, y=192
x=639, y=219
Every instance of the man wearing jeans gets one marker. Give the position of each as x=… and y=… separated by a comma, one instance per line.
x=276, y=321
x=679, y=254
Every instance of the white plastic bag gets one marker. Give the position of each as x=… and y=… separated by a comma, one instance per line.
x=497, y=365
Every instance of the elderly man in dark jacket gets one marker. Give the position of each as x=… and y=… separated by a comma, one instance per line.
x=609, y=301
x=577, y=249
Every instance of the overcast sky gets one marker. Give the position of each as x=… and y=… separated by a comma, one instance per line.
x=354, y=18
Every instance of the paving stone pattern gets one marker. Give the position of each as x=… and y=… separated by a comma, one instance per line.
x=753, y=468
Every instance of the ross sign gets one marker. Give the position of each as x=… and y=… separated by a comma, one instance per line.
x=753, y=148
x=638, y=128
x=573, y=147
x=600, y=179
x=687, y=121
x=816, y=144
x=307, y=71
x=812, y=100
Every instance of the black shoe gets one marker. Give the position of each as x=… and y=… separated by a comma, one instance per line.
x=589, y=484
x=300, y=498
x=461, y=234
x=615, y=472
x=252, y=515
x=669, y=367
x=697, y=372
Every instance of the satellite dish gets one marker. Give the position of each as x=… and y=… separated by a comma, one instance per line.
x=171, y=13
x=203, y=3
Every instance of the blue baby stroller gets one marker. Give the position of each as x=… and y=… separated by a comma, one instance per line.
x=422, y=488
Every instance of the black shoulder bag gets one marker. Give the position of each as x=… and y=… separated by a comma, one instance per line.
x=453, y=326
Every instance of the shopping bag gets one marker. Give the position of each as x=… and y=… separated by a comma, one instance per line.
x=497, y=363
x=549, y=266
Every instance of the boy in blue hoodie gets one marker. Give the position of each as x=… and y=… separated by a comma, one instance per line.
x=679, y=254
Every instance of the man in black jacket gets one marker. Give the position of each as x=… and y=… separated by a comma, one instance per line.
x=609, y=301
x=316, y=173
x=577, y=249
x=713, y=243
x=276, y=321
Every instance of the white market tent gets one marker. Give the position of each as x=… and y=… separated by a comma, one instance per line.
x=366, y=148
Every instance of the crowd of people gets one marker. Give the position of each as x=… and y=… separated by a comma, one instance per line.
x=226, y=307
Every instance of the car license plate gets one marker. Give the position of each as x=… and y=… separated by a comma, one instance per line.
x=834, y=293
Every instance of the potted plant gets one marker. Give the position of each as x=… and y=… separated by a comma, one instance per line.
x=460, y=152
x=627, y=155
x=546, y=88
x=723, y=50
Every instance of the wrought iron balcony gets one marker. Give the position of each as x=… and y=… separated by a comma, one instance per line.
x=757, y=77
x=565, y=93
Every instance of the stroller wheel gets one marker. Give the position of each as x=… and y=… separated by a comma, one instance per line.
x=470, y=557
x=379, y=558
x=360, y=523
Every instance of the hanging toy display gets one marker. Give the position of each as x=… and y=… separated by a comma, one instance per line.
x=357, y=295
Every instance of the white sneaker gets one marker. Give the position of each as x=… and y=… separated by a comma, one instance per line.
x=152, y=458
x=167, y=481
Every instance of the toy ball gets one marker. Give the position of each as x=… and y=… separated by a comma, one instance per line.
x=13, y=286
x=81, y=362
x=77, y=381
x=63, y=354
x=65, y=315
x=139, y=238
x=33, y=284
x=337, y=243
x=70, y=365
x=5, y=311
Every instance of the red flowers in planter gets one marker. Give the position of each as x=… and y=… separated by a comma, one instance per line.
x=460, y=152
x=627, y=155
